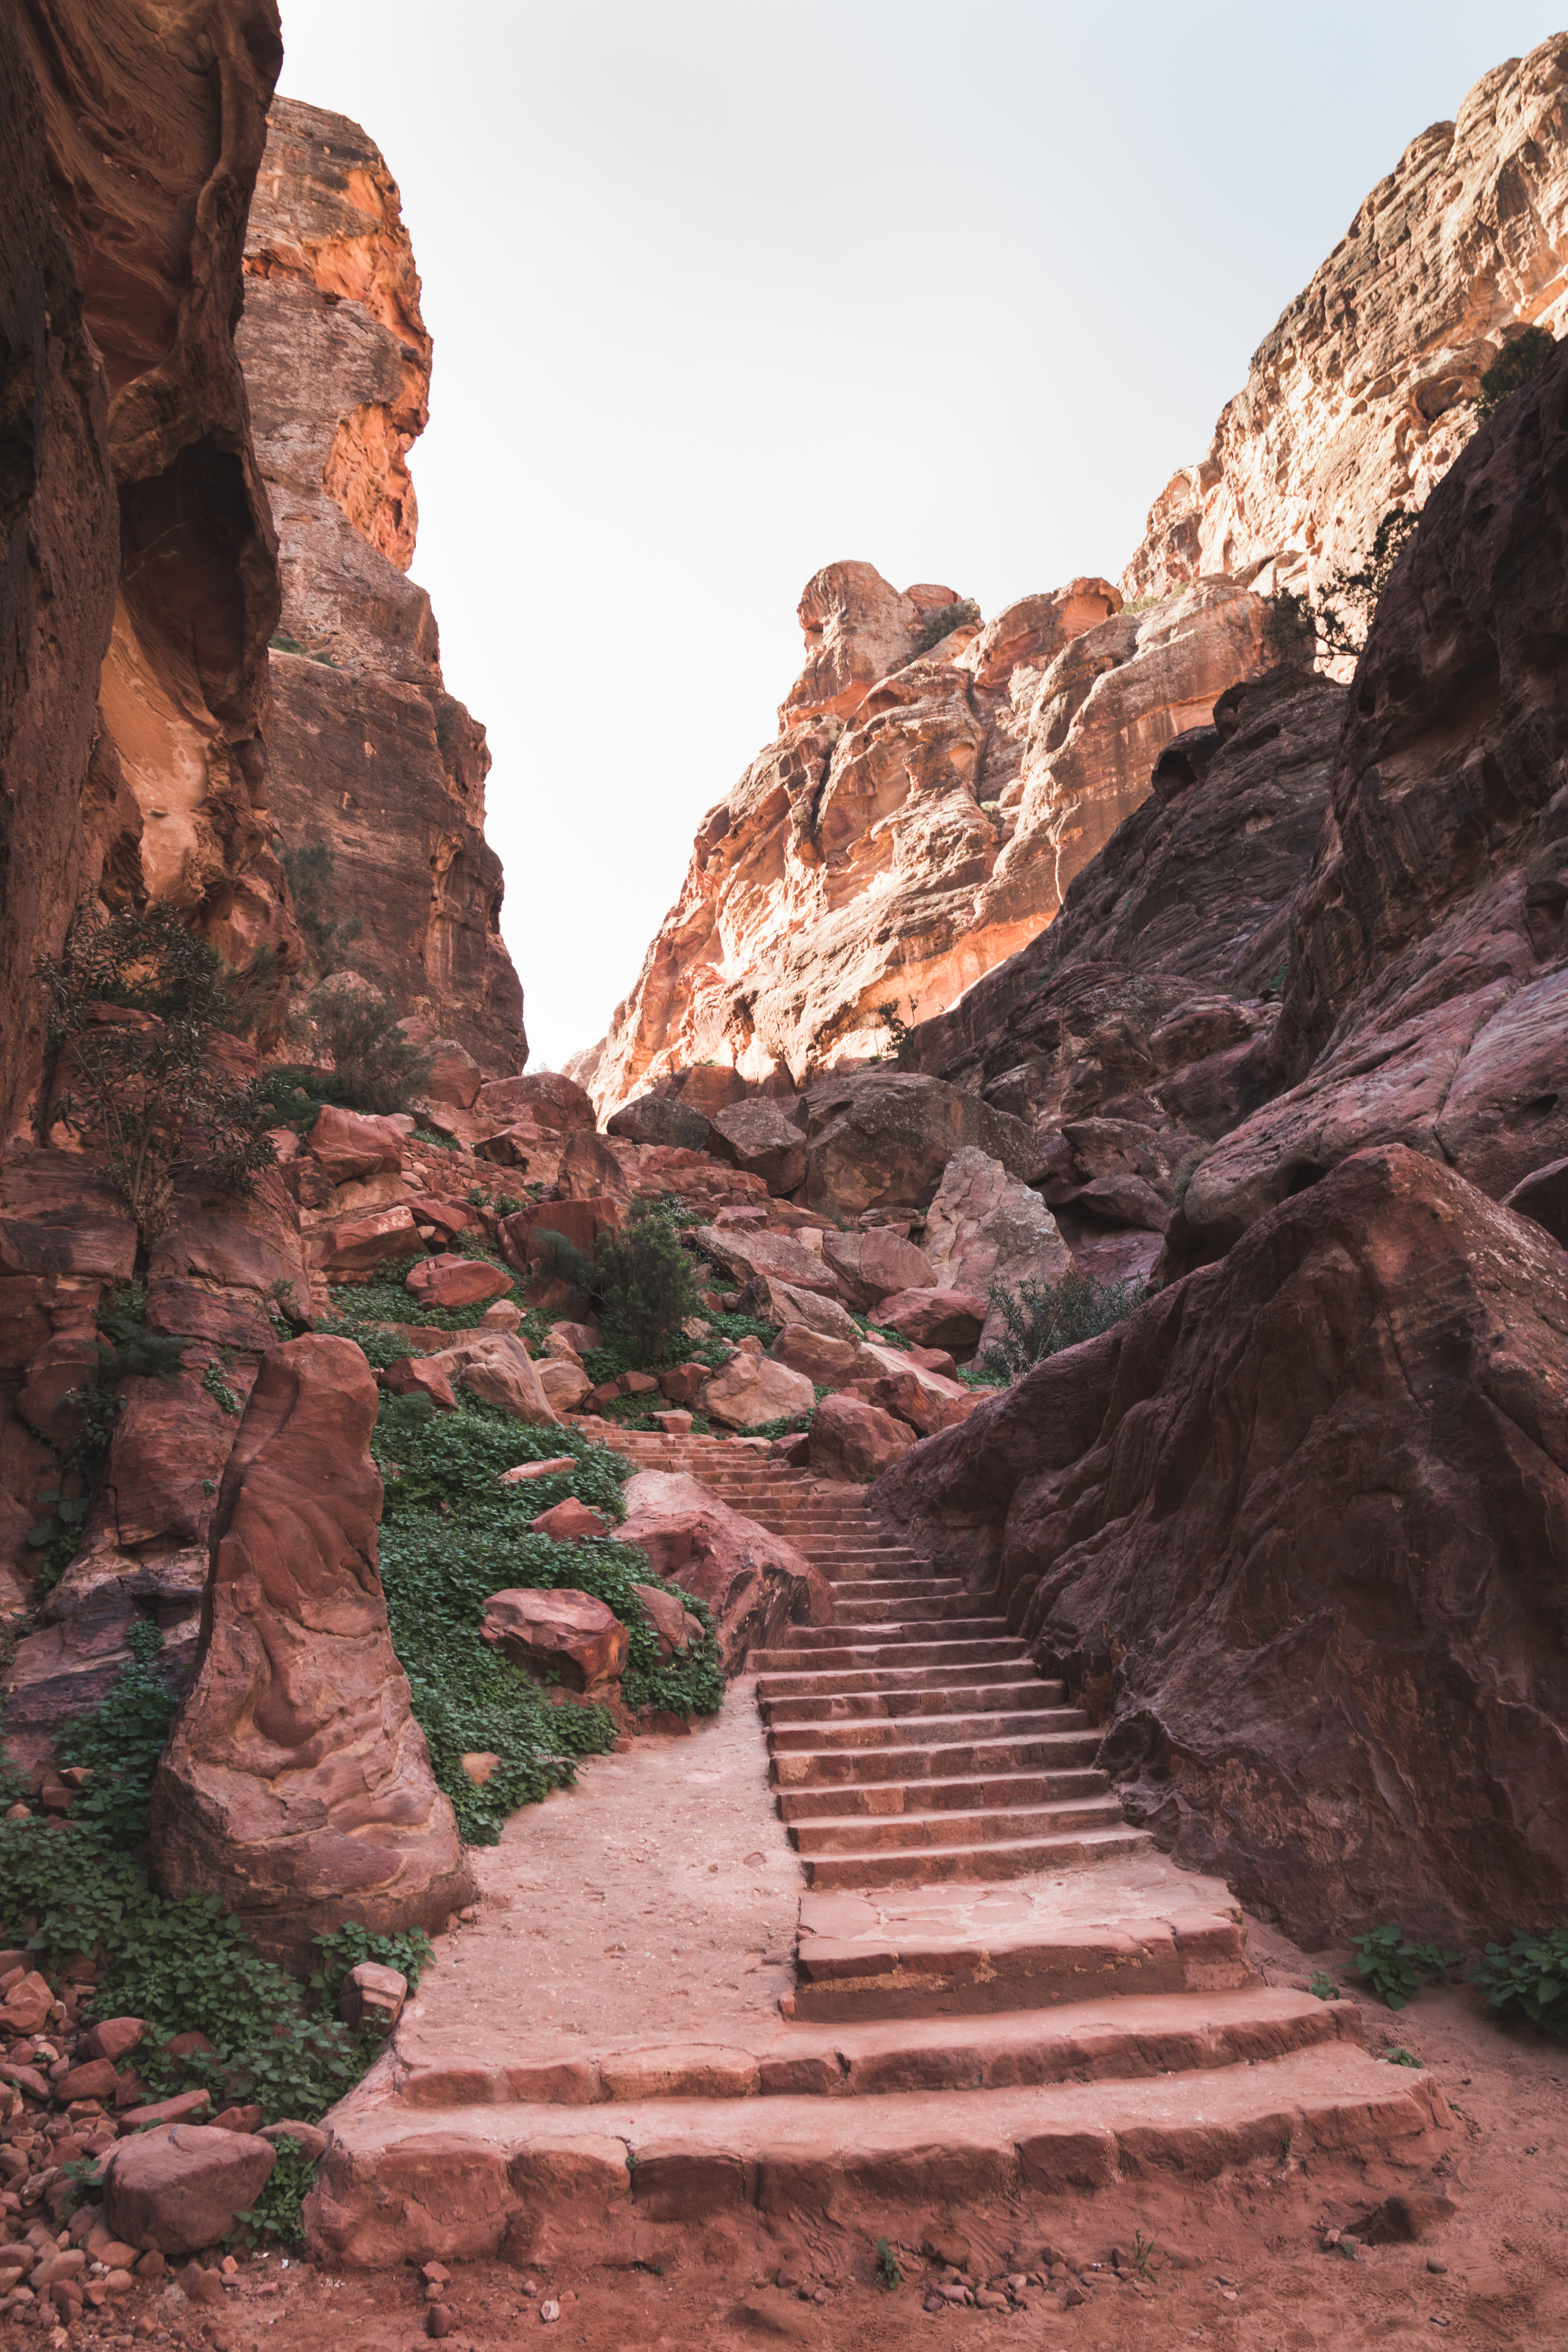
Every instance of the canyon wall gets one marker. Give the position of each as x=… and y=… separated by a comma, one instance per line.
x=370, y=754
x=1358, y=400
x=138, y=586
x=926, y=803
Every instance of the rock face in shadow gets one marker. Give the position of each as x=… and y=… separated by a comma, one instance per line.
x=295, y=1787
x=1294, y=1533
x=918, y=818
x=1428, y=954
x=138, y=586
x=370, y=754
x=1358, y=399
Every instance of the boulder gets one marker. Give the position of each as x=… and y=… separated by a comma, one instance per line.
x=419, y=1376
x=935, y=1319
x=454, y=1076
x=903, y=1395
x=855, y=1441
x=295, y=1787
x=563, y=1382
x=178, y=2189
x=448, y=1217
x=682, y=1382
x=543, y=1097
x=502, y=1315
x=782, y=1303
x=450, y=1281
x=359, y=1244
x=569, y=1522
x=829, y=1363
x=759, y=1137
x=876, y=1142
x=567, y=1633
x=347, y=1145
x=1297, y=1525
x=577, y=1339
x=752, y=1389
x=654, y=1118
x=767, y=1257
x=677, y=1627
x=372, y=1997
x=983, y=1227
x=873, y=1265
x=754, y=1581
x=495, y=1367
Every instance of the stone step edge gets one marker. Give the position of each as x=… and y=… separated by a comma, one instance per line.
x=912, y=1866
x=1124, y=2039
x=385, y=2190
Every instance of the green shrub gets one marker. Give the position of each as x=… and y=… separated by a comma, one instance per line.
x=936, y=626
x=120, y=1742
x=1527, y=1977
x=375, y=1067
x=645, y=1283
x=311, y=871
x=277, y=2212
x=1393, y=1966
x=1517, y=364
x=1041, y=1319
x=1343, y=607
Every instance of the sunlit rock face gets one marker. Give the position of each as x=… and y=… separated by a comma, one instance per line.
x=370, y=754
x=1358, y=400
x=916, y=821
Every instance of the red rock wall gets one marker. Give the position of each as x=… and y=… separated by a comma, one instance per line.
x=1358, y=399
x=370, y=753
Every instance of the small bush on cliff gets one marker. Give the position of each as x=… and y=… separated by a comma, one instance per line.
x=312, y=872
x=1518, y=363
x=1041, y=1319
x=375, y=1067
x=943, y=621
x=642, y=1278
x=1343, y=607
x=137, y=1004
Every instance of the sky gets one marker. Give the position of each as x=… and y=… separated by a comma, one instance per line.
x=723, y=291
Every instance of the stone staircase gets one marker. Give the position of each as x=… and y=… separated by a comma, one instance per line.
x=1001, y=1992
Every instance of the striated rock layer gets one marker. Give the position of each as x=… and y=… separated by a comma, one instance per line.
x=919, y=817
x=370, y=754
x=1359, y=399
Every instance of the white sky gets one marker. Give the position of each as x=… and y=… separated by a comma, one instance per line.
x=723, y=291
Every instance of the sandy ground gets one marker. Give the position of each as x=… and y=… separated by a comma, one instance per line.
x=659, y=1901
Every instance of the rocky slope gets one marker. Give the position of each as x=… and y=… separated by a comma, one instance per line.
x=369, y=752
x=1359, y=399
x=919, y=817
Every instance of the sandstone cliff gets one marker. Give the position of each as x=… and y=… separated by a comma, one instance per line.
x=138, y=587
x=1359, y=399
x=918, y=818
x=370, y=754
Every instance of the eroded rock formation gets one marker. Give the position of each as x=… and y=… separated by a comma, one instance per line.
x=1294, y=1533
x=370, y=754
x=296, y=1782
x=1358, y=400
x=137, y=581
x=919, y=817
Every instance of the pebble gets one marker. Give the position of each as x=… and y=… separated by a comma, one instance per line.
x=549, y=2311
x=1438, y=2269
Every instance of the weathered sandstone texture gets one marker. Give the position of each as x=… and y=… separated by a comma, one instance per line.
x=296, y=1786
x=370, y=754
x=1427, y=999
x=1358, y=399
x=137, y=582
x=1294, y=1533
x=918, y=818
x=754, y=1581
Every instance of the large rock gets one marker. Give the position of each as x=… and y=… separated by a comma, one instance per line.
x=495, y=1367
x=564, y=1383
x=765, y=1257
x=295, y=1787
x=366, y=751
x=1449, y=251
x=753, y=1391
x=855, y=1441
x=984, y=1229
x=761, y=1138
x=654, y=1118
x=935, y=1319
x=346, y=1144
x=831, y=1363
x=883, y=1141
x=450, y=1281
x=564, y=1634
x=873, y=1265
x=175, y=2191
x=359, y=1244
x=1292, y=1531
x=543, y=1099
x=752, y=1580
x=1544, y=1196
